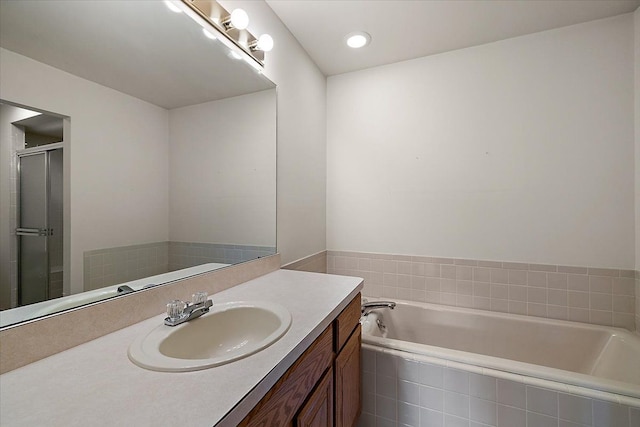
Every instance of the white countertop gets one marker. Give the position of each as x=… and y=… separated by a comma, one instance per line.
x=96, y=384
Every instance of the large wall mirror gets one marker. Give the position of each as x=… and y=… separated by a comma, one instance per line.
x=134, y=151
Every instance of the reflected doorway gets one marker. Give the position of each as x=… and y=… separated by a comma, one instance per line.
x=33, y=143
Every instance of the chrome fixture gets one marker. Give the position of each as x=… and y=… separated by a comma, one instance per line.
x=368, y=307
x=124, y=289
x=180, y=311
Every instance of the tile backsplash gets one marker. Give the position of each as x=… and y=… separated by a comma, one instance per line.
x=111, y=266
x=583, y=294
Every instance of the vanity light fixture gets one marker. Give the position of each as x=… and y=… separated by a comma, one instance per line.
x=357, y=39
x=238, y=19
x=264, y=43
x=229, y=29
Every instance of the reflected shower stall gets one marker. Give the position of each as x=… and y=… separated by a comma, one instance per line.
x=40, y=221
x=35, y=141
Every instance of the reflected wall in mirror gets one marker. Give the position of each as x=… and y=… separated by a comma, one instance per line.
x=168, y=151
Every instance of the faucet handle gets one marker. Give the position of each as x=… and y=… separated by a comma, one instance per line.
x=199, y=297
x=175, y=309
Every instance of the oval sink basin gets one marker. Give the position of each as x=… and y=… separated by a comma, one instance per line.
x=230, y=331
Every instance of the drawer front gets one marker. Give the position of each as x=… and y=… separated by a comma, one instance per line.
x=279, y=406
x=346, y=322
x=318, y=410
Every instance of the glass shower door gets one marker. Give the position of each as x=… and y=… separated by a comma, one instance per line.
x=33, y=231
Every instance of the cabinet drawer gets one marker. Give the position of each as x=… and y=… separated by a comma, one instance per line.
x=346, y=322
x=279, y=406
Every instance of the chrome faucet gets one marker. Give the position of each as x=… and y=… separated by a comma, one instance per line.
x=124, y=289
x=180, y=311
x=368, y=307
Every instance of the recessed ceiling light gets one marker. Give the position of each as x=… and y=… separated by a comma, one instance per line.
x=357, y=39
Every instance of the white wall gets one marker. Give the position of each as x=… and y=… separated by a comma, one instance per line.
x=519, y=150
x=225, y=151
x=118, y=156
x=636, y=20
x=301, y=135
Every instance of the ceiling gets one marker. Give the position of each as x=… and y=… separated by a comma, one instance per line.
x=140, y=48
x=402, y=29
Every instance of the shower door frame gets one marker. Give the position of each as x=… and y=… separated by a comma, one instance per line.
x=43, y=149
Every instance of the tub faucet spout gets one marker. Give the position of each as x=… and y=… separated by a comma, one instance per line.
x=368, y=307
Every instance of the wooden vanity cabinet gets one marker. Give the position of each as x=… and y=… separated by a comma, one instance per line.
x=322, y=388
x=318, y=409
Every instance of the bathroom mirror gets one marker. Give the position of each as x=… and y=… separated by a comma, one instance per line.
x=167, y=152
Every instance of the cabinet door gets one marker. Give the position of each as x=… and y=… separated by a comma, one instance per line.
x=318, y=410
x=347, y=368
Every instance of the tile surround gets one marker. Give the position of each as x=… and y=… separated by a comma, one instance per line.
x=601, y=296
x=403, y=392
x=316, y=263
x=111, y=266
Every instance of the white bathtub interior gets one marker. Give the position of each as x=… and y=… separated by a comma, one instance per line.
x=603, y=358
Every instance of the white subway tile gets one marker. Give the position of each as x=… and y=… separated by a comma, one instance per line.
x=511, y=417
x=432, y=270
x=483, y=411
x=499, y=291
x=601, y=284
x=448, y=271
x=574, y=408
x=539, y=420
x=408, y=415
x=386, y=407
x=429, y=418
x=601, y=301
x=432, y=283
x=456, y=380
x=517, y=277
x=408, y=392
x=607, y=414
x=542, y=401
x=453, y=421
x=432, y=398
x=499, y=275
x=456, y=404
x=538, y=279
x=431, y=375
x=482, y=386
x=464, y=273
x=386, y=364
x=404, y=267
x=578, y=282
x=511, y=393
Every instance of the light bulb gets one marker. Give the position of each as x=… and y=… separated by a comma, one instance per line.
x=265, y=43
x=208, y=34
x=172, y=7
x=239, y=19
x=357, y=39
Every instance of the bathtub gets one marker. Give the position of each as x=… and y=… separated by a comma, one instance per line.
x=596, y=363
